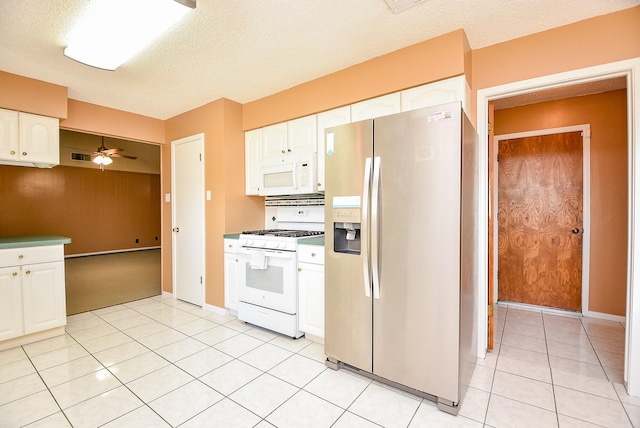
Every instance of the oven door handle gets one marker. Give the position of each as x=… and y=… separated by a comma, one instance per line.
x=272, y=254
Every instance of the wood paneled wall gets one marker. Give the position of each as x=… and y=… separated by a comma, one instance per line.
x=99, y=211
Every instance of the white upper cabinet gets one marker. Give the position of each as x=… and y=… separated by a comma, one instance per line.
x=9, y=134
x=29, y=139
x=39, y=139
x=252, y=152
x=328, y=119
x=302, y=135
x=274, y=142
x=433, y=94
x=376, y=107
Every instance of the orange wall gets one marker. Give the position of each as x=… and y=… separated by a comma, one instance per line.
x=415, y=65
x=607, y=115
x=595, y=41
x=95, y=119
x=32, y=96
x=229, y=210
x=99, y=211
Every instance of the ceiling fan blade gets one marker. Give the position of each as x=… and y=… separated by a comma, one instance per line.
x=118, y=155
x=114, y=150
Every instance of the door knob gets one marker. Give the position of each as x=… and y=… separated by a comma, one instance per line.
x=575, y=230
x=176, y=229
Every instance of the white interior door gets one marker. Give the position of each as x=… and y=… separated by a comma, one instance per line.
x=188, y=218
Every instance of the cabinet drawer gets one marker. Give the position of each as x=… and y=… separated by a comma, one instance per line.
x=31, y=255
x=311, y=254
x=231, y=245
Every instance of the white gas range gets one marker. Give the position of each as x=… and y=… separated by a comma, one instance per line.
x=268, y=279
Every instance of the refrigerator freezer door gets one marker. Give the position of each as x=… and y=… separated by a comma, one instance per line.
x=348, y=332
x=416, y=318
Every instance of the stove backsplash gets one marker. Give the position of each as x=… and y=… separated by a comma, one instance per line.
x=272, y=203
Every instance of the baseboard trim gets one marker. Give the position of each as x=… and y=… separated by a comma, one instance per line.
x=215, y=309
x=101, y=253
x=608, y=317
x=535, y=308
x=588, y=314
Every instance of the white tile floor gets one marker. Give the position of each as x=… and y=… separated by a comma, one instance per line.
x=160, y=363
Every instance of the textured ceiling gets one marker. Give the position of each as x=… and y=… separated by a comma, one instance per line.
x=244, y=50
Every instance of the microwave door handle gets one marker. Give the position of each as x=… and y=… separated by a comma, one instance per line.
x=364, y=228
x=295, y=175
x=375, y=228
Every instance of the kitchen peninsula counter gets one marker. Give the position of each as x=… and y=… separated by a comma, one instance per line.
x=32, y=241
x=32, y=283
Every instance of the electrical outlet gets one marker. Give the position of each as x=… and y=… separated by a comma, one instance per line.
x=137, y=241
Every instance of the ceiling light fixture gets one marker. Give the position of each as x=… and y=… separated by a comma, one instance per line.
x=102, y=160
x=113, y=31
x=400, y=5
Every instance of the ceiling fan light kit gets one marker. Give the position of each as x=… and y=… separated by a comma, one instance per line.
x=103, y=155
x=112, y=31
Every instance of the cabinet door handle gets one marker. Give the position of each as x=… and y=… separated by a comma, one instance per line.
x=15, y=274
x=313, y=254
x=24, y=153
x=176, y=229
x=28, y=272
x=13, y=152
x=21, y=256
x=299, y=269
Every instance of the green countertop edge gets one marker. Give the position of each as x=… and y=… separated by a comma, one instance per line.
x=316, y=240
x=231, y=236
x=32, y=241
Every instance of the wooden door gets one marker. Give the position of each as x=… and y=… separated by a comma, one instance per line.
x=540, y=220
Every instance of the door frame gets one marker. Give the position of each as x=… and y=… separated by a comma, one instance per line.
x=586, y=201
x=630, y=69
x=174, y=253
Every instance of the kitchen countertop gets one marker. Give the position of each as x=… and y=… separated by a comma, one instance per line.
x=32, y=241
x=231, y=236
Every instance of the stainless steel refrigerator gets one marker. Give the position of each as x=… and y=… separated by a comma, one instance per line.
x=400, y=243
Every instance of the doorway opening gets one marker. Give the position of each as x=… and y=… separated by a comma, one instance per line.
x=630, y=70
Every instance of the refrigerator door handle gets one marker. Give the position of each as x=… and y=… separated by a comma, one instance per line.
x=364, y=228
x=375, y=226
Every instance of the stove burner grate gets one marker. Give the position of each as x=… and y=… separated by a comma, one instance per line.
x=283, y=232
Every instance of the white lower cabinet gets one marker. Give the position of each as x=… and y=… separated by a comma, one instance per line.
x=231, y=273
x=311, y=289
x=32, y=290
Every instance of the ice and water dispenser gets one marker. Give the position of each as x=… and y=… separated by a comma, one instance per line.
x=346, y=237
x=346, y=225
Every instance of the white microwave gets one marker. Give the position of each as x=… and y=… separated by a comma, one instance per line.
x=291, y=175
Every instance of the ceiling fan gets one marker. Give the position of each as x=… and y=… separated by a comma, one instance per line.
x=103, y=155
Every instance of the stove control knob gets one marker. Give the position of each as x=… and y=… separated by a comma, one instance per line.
x=283, y=245
x=260, y=243
x=250, y=242
x=272, y=244
x=243, y=242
